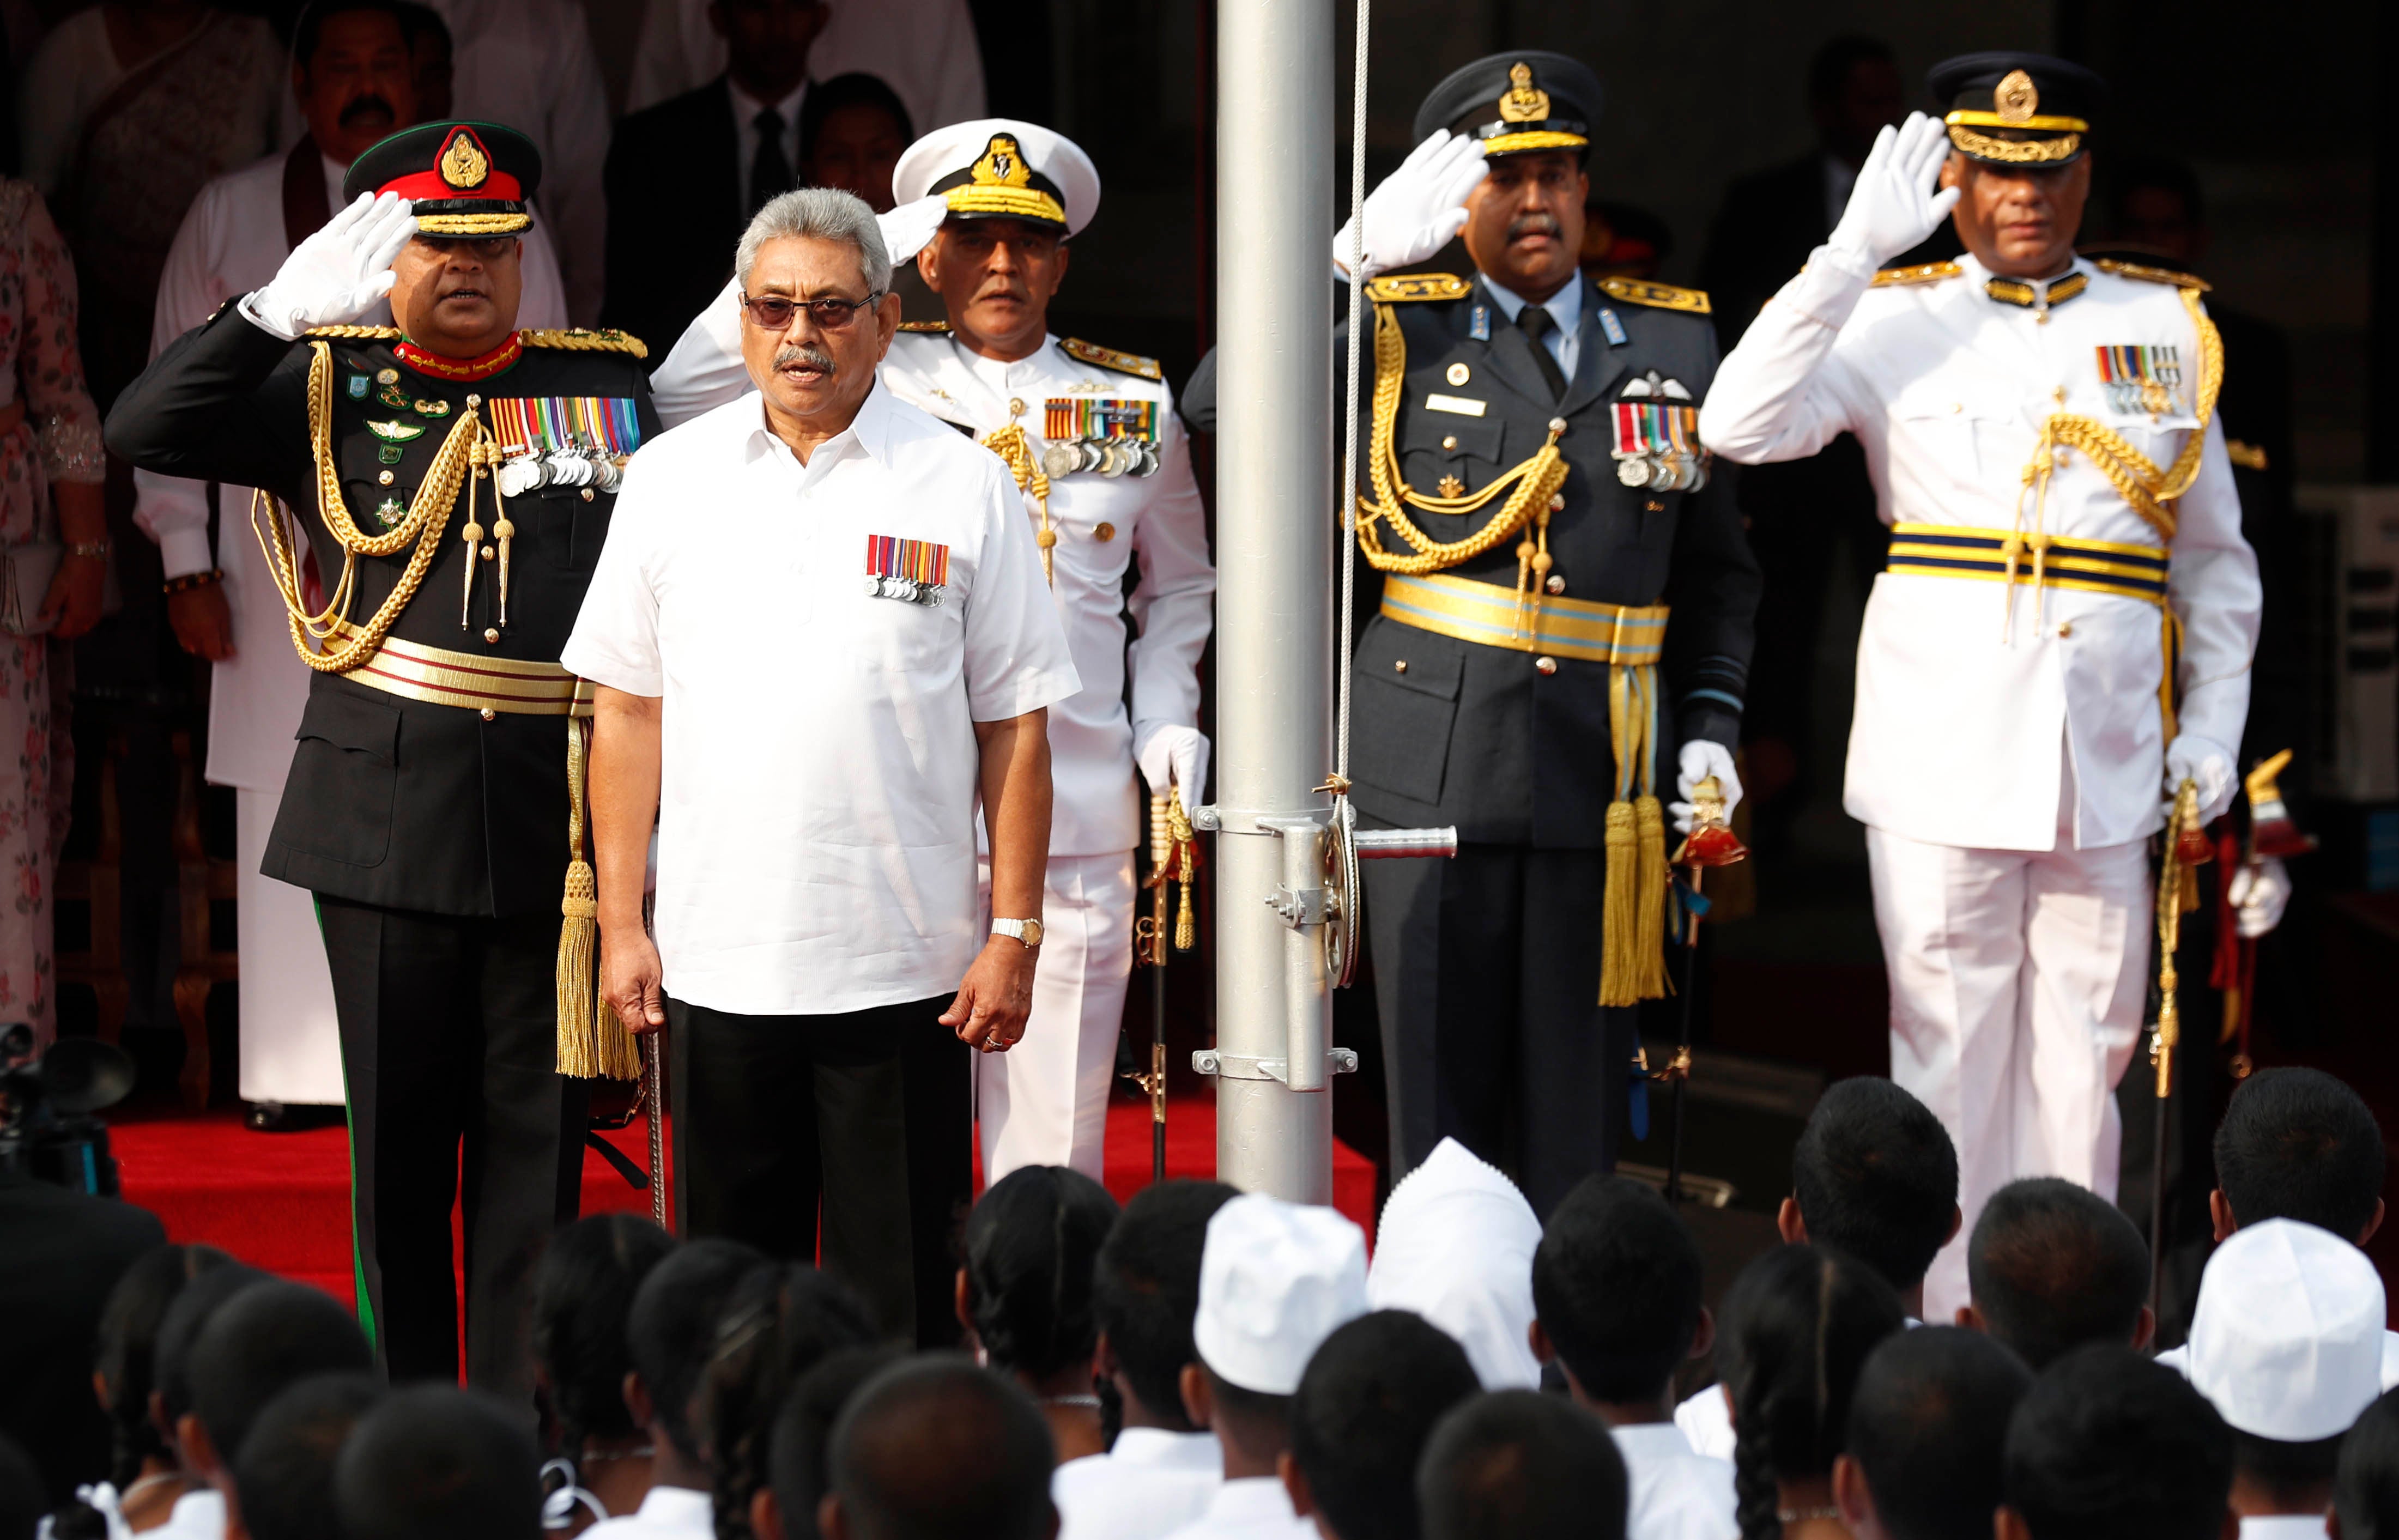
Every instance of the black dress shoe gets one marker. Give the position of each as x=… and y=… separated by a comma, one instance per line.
x=279, y=1117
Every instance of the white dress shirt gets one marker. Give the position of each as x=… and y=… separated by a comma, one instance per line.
x=745, y=109
x=1677, y=1494
x=1157, y=519
x=1255, y=1508
x=1962, y=702
x=2283, y=1526
x=196, y=1515
x=1705, y=1421
x=667, y=1513
x=1152, y=1483
x=816, y=823
x=1564, y=307
x=923, y=50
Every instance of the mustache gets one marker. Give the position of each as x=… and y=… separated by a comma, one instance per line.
x=806, y=353
x=1535, y=223
x=360, y=106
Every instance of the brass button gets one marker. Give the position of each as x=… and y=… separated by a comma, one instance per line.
x=1449, y=440
x=1545, y=664
x=492, y=635
x=2066, y=628
x=1016, y=406
x=1458, y=375
x=1957, y=405
x=1556, y=583
x=1400, y=665
x=489, y=553
x=1104, y=532
x=587, y=494
x=383, y=477
x=488, y=714
x=1653, y=506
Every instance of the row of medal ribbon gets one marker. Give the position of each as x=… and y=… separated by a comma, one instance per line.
x=1093, y=433
x=1657, y=447
x=2140, y=378
x=564, y=441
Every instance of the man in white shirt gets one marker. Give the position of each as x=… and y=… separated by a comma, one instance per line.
x=1094, y=441
x=1163, y=1470
x=1276, y=1279
x=2009, y=749
x=1454, y=1245
x=352, y=77
x=1617, y=1283
x=838, y=604
x=1927, y=1433
x=2287, y=1342
x=1370, y=1399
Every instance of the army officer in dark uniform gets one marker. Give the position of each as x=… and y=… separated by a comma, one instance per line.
x=452, y=479
x=1564, y=631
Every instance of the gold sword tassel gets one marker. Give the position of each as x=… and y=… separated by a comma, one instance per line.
x=479, y=455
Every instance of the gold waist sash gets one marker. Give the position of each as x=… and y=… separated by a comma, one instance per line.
x=468, y=680
x=1627, y=635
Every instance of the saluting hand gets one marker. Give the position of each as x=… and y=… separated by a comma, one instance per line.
x=995, y=997
x=1895, y=203
x=1416, y=210
x=336, y=275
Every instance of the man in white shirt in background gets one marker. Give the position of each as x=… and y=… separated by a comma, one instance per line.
x=353, y=83
x=2288, y=1341
x=1617, y=1283
x=926, y=49
x=1161, y=1472
x=838, y=603
x=1276, y=1279
x=1928, y=1434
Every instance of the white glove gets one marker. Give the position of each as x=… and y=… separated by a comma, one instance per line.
x=909, y=229
x=1700, y=759
x=1418, y=207
x=1170, y=750
x=1895, y=206
x=2191, y=757
x=336, y=275
x=2259, y=894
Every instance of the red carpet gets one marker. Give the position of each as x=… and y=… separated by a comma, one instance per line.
x=281, y=1201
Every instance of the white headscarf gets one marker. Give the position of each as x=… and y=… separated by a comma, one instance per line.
x=1456, y=1246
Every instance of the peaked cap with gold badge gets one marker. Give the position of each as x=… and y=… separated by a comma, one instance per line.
x=2018, y=109
x=997, y=167
x=465, y=180
x=1517, y=104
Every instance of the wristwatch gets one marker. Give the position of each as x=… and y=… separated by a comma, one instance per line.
x=1026, y=931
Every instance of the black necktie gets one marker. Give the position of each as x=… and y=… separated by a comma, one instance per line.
x=1537, y=324
x=770, y=174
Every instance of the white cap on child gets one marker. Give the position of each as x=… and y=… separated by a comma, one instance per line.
x=1276, y=1279
x=2287, y=1337
x=1456, y=1246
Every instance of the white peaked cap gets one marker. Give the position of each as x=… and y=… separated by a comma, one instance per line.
x=1456, y=1246
x=960, y=147
x=1276, y=1279
x=2287, y=1337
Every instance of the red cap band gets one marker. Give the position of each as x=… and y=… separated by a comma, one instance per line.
x=429, y=186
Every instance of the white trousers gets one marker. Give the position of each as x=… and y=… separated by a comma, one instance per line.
x=291, y=1046
x=1045, y=1102
x=2016, y=994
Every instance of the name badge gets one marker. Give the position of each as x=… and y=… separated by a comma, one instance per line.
x=914, y=571
x=1462, y=405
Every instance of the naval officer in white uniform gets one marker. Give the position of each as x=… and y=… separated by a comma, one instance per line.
x=1101, y=457
x=354, y=84
x=2040, y=430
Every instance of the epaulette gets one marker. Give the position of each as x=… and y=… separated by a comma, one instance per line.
x=580, y=341
x=1417, y=286
x=354, y=334
x=925, y=326
x=1108, y=357
x=1665, y=296
x=2150, y=274
x=1926, y=271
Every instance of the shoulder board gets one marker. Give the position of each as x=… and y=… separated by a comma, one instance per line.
x=1108, y=357
x=1417, y=286
x=353, y=333
x=925, y=326
x=1929, y=272
x=1665, y=296
x=2150, y=274
x=580, y=341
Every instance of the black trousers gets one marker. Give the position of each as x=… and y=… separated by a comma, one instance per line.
x=1486, y=973
x=843, y=1139
x=448, y=1062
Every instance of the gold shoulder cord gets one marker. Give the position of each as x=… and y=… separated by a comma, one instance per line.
x=2151, y=491
x=1016, y=452
x=428, y=515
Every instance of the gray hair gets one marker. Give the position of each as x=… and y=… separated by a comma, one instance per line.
x=818, y=213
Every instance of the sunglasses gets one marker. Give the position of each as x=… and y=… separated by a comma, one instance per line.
x=774, y=312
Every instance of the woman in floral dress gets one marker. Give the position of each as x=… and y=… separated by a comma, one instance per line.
x=50, y=474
